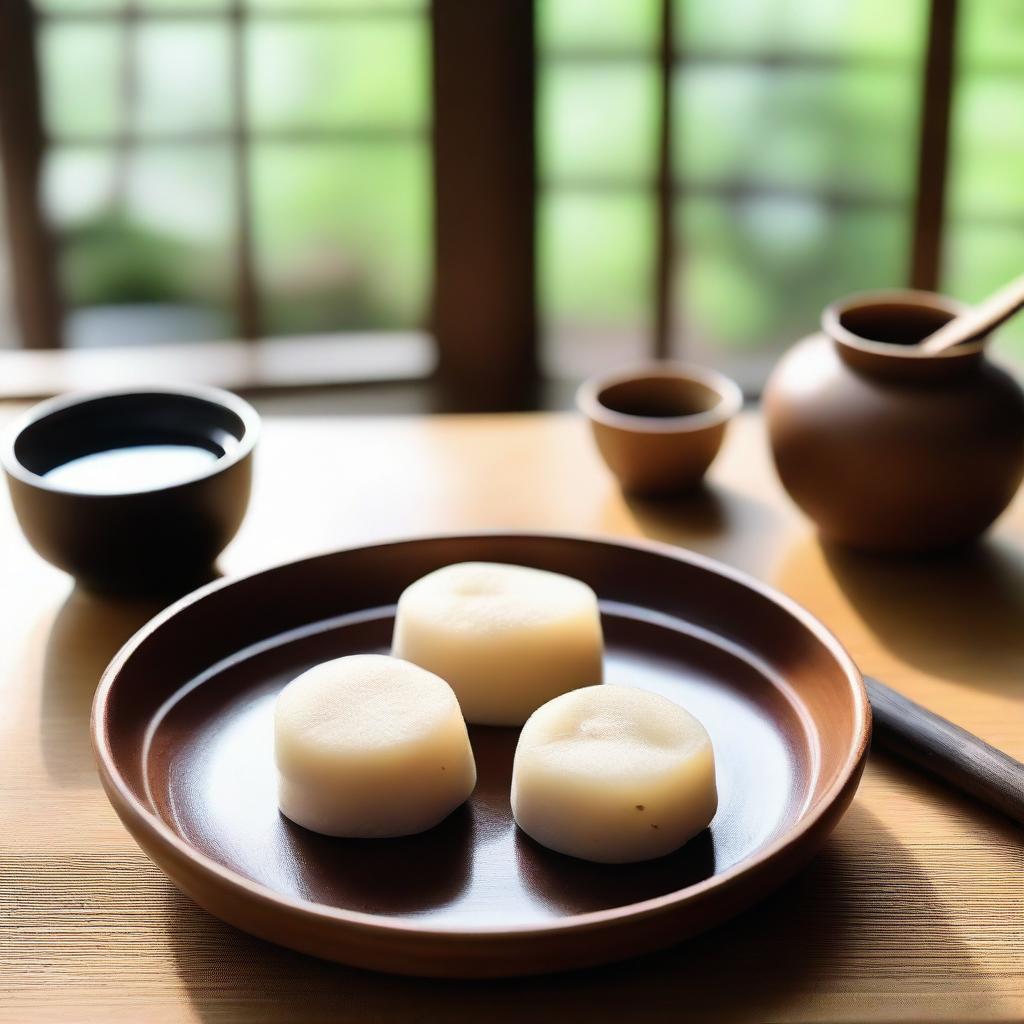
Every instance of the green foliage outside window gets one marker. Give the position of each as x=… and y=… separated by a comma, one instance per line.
x=795, y=127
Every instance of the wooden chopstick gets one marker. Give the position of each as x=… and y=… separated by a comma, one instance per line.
x=944, y=749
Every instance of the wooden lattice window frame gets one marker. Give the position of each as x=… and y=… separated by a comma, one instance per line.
x=484, y=308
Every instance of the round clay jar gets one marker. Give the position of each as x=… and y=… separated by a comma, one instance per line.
x=888, y=448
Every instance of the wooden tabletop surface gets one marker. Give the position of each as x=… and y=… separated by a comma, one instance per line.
x=913, y=912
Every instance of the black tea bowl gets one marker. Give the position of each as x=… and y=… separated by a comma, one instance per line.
x=125, y=532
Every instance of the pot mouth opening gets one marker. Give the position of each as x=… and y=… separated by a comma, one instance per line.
x=893, y=323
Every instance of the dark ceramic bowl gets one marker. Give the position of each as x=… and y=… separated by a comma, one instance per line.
x=137, y=538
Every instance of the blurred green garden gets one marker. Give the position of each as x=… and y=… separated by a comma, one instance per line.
x=796, y=133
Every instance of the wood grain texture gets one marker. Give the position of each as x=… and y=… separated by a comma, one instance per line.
x=484, y=202
x=33, y=275
x=914, y=912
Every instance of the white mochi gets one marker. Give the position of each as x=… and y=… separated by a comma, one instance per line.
x=613, y=774
x=370, y=746
x=507, y=638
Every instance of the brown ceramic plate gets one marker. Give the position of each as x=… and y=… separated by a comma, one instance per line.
x=182, y=726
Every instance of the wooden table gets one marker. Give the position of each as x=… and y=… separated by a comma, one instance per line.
x=914, y=911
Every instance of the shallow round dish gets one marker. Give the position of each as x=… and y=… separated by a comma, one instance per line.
x=183, y=732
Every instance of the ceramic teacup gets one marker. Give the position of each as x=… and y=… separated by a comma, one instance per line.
x=660, y=426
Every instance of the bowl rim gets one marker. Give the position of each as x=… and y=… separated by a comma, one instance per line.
x=730, y=398
x=246, y=414
x=146, y=822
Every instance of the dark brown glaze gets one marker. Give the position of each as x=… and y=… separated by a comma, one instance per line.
x=159, y=540
x=182, y=727
x=888, y=448
x=659, y=427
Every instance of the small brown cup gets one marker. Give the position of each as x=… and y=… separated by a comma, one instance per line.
x=659, y=427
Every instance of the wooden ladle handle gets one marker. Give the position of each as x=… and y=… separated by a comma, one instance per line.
x=977, y=320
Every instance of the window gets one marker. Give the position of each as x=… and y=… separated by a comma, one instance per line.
x=794, y=141
x=219, y=169
x=985, y=208
x=709, y=174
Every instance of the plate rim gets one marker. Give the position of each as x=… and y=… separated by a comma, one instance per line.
x=127, y=804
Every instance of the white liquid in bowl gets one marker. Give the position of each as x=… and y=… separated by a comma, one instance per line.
x=139, y=468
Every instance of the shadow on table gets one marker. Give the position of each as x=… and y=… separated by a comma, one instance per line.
x=713, y=520
x=992, y=827
x=838, y=915
x=958, y=617
x=87, y=632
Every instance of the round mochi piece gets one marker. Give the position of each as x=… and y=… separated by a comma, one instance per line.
x=506, y=637
x=370, y=746
x=613, y=774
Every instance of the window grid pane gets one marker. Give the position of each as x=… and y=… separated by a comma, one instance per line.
x=985, y=205
x=803, y=87
x=131, y=178
x=787, y=145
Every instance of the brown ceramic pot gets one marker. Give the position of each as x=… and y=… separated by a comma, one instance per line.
x=888, y=448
